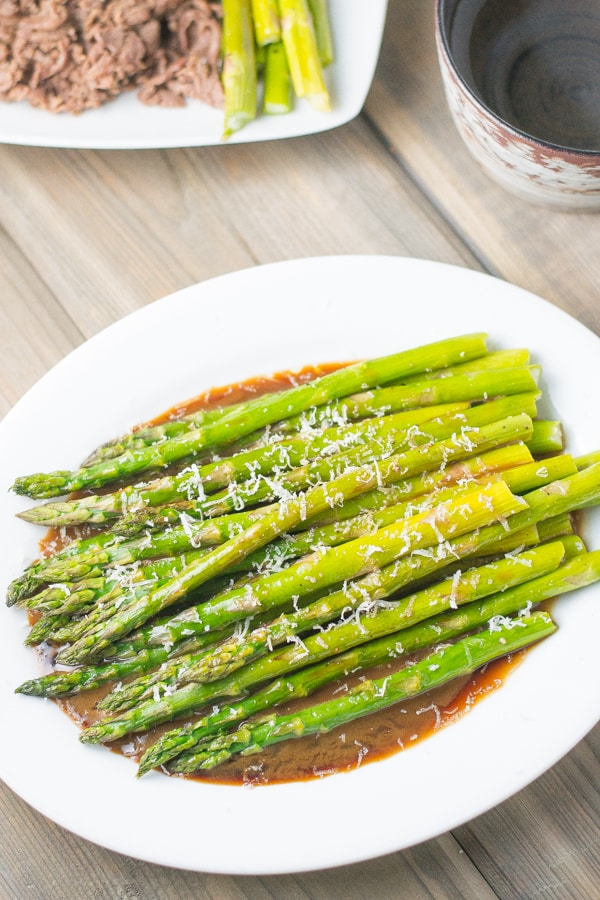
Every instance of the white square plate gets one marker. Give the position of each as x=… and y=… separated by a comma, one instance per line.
x=126, y=124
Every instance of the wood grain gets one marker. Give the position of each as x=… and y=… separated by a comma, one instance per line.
x=87, y=237
x=35, y=331
x=41, y=860
x=559, y=812
x=108, y=240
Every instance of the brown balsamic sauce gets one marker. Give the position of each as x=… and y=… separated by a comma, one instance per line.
x=345, y=748
x=229, y=394
x=366, y=740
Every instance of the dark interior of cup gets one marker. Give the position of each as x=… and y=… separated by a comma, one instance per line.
x=534, y=63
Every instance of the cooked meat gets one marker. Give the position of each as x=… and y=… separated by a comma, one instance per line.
x=76, y=55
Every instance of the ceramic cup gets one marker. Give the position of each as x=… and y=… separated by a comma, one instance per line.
x=522, y=80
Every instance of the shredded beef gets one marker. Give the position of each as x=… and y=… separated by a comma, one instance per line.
x=76, y=55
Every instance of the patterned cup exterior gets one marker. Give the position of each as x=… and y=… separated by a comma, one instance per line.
x=533, y=169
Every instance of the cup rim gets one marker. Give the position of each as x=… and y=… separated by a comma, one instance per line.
x=518, y=132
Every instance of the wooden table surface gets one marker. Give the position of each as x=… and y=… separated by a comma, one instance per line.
x=86, y=237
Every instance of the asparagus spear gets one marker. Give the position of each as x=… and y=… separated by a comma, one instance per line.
x=300, y=40
x=256, y=414
x=495, y=359
x=143, y=435
x=277, y=88
x=265, y=14
x=67, y=597
x=531, y=475
x=461, y=658
x=547, y=437
x=115, y=587
x=45, y=626
x=85, y=678
x=587, y=459
x=480, y=384
x=239, y=65
x=85, y=558
x=322, y=23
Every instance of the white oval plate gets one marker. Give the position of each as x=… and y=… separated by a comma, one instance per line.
x=127, y=124
x=256, y=321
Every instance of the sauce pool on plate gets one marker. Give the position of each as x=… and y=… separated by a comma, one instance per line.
x=345, y=748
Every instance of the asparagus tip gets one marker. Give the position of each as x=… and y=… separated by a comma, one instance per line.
x=30, y=688
x=41, y=484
